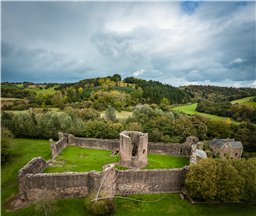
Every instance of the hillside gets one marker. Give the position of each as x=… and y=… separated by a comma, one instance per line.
x=217, y=93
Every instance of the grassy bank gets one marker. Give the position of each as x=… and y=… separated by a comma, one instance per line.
x=243, y=100
x=191, y=109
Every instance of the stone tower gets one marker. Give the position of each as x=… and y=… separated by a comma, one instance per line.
x=133, y=149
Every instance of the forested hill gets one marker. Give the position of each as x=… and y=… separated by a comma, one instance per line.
x=217, y=93
x=151, y=91
x=156, y=91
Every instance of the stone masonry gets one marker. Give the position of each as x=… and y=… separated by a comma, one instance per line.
x=133, y=149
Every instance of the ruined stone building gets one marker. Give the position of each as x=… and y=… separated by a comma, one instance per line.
x=133, y=149
x=224, y=146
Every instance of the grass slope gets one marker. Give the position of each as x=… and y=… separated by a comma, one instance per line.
x=191, y=109
x=43, y=91
x=243, y=100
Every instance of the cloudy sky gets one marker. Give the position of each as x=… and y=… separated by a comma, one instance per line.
x=179, y=43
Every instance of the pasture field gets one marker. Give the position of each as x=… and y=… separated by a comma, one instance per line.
x=20, y=85
x=51, y=110
x=43, y=91
x=8, y=87
x=10, y=99
x=243, y=100
x=23, y=150
x=6, y=103
x=122, y=114
x=191, y=109
x=34, y=86
x=252, y=103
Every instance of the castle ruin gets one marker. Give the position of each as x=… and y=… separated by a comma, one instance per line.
x=133, y=149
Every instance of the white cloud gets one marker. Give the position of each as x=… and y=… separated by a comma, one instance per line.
x=139, y=72
x=252, y=85
x=237, y=85
x=238, y=61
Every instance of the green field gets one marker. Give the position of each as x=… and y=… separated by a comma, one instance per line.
x=43, y=91
x=51, y=110
x=20, y=85
x=191, y=109
x=94, y=160
x=243, y=100
x=23, y=150
x=252, y=103
x=8, y=87
x=122, y=114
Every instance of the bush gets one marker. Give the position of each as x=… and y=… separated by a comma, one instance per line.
x=101, y=207
x=5, y=144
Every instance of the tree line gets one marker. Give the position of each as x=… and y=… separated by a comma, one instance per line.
x=217, y=93
x=243, y=112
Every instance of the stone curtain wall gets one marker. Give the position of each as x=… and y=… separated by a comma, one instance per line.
x=104, y=144
x=77, y=185
x=36, y=165
x=171, y=149
x=150, y=181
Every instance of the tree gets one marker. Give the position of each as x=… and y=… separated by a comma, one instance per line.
x=200, y=124
x=214, y=180
x=96, y=104
x=228, y=156
x=45, y=203
x=118, y=76
x=243, y=135
x=110, y=113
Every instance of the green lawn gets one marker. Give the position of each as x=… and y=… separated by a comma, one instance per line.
x=43, y=91
x=243, y=100
x=166, y=162
x=94, y=161
x=24, y=150
x=191, y=109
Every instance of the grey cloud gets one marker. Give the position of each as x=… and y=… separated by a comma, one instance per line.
x=78, y=40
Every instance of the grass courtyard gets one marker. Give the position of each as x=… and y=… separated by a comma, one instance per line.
x=23, y=150
x=86, y=160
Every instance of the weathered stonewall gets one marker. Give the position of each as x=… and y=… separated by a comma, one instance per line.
x=133, y=149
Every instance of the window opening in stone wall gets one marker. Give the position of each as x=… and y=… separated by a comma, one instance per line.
x=134, y=149
x=143, y=151
x=235, y=154
x=231, y=158
x=67, y=140
x=225, y=154
x=181, y=150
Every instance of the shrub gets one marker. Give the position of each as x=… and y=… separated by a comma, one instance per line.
x=100, y=207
